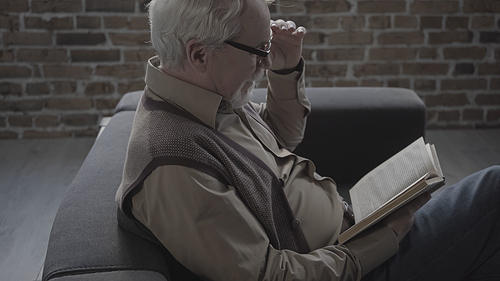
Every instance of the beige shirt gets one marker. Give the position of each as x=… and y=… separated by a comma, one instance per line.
x=207, y=227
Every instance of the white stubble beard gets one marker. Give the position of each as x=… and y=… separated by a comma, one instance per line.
x=244, y=93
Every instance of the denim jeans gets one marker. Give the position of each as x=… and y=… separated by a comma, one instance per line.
x=456, y=235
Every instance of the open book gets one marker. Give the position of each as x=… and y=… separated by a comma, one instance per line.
x=406, y=175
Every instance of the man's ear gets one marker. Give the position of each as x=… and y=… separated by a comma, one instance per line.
x=197, y=55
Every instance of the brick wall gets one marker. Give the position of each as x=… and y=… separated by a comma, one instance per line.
x=65, y=64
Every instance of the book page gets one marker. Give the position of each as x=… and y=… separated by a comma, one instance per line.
x=390, y=178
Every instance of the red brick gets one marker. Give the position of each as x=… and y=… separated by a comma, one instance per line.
x=314, y=38
x=431, y=22
x=21, y=105
x=401, y=38
x=453, y=23
x=346, y=83
x=434, y=7
x=99, y=88
x=94, y=55
x=393, y=54
x=80, y=119
x=450, y=37
x=37, y=89
x=428, y=53
x=464, y=84
x=372, y=83
x=425, y=85
x=45, y=121
x=405, y=22
x=488, y=99
x=340, y=54
x=450, y=116
x=8, y=135
x=140, y=23
x=350, y=38
x=321, y=83
x=106, y=103
x=126, y=6
x=351, y=23
x=456, y=53
x=45, y=135
x=497, y=53
x=332, y=6
x=481, y=6
x=42, y=55
x=3, y=122
x=14, y=6
x=493, y=115
x=67, y=71
x=399, y=83
x=115, y=22
x=131, y=39
x=9, y=22
x=20, y=121
x=374, y=7
x=380, y=22
x=480, y=22
x=473, y=115
x=376, y=69
x=14, y=71
x=489, y=69
x=144, y=55
x=446, y=100
x=124, y=88
x=12, y=89
x=57, y=6
x=63, y=87
x=88, y=22
x=53, y=23
x=68, y=103
x=27, y=38
x=489, y=37
x=326, y=70
x=6, y=55
x=80, y=38
x=464, y=68
x=121, y=71
x=326, y=22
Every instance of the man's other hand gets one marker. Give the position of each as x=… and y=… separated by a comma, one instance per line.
x=402, y=220
x=286, y=46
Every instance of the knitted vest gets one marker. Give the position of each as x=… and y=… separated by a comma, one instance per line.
x=163, y=134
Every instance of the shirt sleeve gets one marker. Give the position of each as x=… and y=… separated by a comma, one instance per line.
x=208, y=229
x=287, y=107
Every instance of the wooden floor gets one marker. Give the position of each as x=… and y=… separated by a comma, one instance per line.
x=35, y=174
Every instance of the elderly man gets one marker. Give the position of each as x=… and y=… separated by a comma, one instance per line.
x=212, y=176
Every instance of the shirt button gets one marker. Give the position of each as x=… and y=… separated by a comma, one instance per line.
x=282, y=182
x=296, y=223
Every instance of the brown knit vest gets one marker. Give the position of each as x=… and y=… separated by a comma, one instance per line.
x=163, y=134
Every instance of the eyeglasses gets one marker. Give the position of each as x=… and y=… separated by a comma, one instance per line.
x=263, y=52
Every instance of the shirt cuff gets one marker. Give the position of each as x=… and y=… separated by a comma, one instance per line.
x=285, y=86
x=374, y=247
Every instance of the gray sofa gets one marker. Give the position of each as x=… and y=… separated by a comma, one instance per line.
x=356, y=129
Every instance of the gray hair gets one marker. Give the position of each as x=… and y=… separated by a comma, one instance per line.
x=174, y=22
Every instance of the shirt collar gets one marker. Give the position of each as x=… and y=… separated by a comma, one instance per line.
x=201, y=103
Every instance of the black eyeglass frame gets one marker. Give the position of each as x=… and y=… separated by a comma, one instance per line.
x=259, y=52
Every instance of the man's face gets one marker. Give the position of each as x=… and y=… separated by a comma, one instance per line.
x=234, y=71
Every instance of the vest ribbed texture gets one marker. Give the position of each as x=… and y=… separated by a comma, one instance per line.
x=163, y=134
